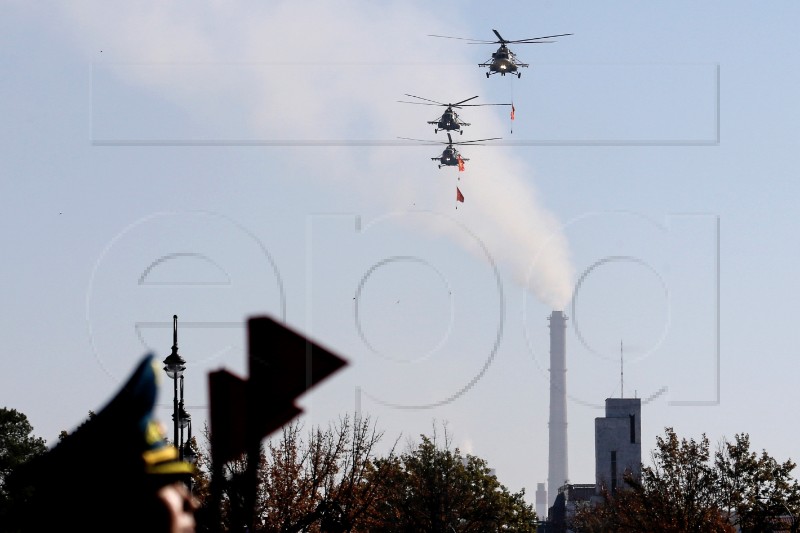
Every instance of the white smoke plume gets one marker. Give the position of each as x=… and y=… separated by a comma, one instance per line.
x=319, y=70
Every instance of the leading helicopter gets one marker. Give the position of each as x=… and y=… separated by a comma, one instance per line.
x=450, y=156
x=504, y=61
x=449, y=121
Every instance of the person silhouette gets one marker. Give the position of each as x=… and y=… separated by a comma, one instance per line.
x=115, y=472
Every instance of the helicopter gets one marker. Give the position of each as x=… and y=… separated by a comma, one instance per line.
x=450, y=156
x=504, y=61
x=449, y=121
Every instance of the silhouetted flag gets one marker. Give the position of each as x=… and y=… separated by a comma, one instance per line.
x=283, y=365
x=229, y=417
x=227, y=414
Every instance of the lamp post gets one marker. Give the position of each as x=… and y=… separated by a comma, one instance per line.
x=188, y=453
x=174, y=365
x=184, y=420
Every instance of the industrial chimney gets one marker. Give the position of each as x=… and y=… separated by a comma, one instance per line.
x=557, y=458
x=541, y=502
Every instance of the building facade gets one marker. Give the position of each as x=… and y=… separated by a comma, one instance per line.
x=618, y=443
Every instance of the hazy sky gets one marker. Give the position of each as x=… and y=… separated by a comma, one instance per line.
x=222, y=161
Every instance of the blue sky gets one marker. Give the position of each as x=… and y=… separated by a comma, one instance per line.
x=233, y=160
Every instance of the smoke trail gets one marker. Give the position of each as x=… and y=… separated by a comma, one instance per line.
x=316, y=71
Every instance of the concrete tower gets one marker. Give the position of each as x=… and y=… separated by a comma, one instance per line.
x=557, y=459
x=541, y=502
x=618, y=443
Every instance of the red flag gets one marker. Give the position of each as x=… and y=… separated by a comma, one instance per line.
x=459, y=196
x=512, y=111
x=460, y=164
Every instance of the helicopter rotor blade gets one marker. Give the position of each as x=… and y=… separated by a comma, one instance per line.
x=478, y=105
x=477, y=141
x=420, y=103
x=426, y=99
x=473, y=41
x=503, y=41
x=462, y=101
x=534, y=40
x=423, y=141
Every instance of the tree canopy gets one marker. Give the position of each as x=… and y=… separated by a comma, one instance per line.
x=328, y=481
x=17, y=446
x=433, y=488
x=332, y=480
x=17, y=443
x=689, y=489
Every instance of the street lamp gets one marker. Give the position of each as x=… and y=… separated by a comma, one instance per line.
x=188, y=452
x=174, y=365
x=184, y=420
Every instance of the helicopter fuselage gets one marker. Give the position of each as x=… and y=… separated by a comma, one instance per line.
x=449, y=158
x=503, y=62
x=449, y=121
x=445, y=124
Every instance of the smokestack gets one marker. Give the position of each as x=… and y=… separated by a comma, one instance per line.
x=541, y=502
x=557, y=459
